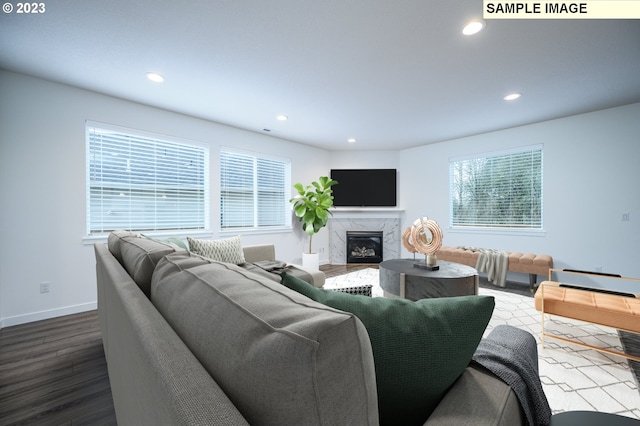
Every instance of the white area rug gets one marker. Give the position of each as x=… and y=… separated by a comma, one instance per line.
x=573, y=378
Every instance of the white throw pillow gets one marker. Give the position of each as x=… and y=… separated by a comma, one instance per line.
x=228, y=250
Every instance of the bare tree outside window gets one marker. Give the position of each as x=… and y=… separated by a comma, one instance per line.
x=497, y=190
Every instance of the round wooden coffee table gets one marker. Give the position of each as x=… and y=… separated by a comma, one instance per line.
x=400, y=278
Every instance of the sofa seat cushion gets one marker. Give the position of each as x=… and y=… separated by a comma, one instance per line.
x=419, y=348
x=478, y=397
x=281, y=358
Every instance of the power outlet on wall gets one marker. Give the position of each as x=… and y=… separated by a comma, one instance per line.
x=45, y=287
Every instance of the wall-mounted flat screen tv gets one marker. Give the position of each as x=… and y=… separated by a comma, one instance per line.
x=364, y=187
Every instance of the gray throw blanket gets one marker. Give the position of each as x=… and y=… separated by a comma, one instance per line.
x=267, y=268
x=511, y=354
x=273, y=270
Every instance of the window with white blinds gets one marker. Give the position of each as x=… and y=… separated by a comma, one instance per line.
x=254, y=191
x=497, y=190
x=142, y=182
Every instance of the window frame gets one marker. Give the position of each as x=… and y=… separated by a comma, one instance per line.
x=202, y=189
x=256, y=228
x=509, y=228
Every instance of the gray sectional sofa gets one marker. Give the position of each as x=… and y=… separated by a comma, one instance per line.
x=193, y=341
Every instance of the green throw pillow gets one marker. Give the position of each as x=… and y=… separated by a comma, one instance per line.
x=175, y=241
x=419, y=348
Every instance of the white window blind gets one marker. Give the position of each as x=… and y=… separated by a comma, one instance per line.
x=139, y=182
x=254, y=191
x=497, y=190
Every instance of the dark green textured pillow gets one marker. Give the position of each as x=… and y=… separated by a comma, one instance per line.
x=419, y=348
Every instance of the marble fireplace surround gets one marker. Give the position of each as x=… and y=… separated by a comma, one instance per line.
x=387, y=220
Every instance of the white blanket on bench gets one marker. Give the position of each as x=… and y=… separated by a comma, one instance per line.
x=494, y=263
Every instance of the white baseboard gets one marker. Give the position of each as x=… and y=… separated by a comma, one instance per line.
x=43, y=315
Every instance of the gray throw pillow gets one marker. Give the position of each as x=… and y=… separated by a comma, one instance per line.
x=228, y=250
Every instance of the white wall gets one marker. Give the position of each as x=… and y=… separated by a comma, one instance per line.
x=42, y=191
x=591, y=176
x=383, y=159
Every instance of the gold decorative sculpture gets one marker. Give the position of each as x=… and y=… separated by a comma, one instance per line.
x=406, y=241
x=415, y=240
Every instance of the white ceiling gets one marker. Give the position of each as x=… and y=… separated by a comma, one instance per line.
x=392, y=74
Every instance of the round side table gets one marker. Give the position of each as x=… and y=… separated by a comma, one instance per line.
x=400, y=278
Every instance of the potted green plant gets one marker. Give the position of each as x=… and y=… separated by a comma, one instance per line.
x=311, y=206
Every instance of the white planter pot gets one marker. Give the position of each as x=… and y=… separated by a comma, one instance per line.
x=311, y=260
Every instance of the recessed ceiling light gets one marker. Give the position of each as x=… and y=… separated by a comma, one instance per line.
x=282, y=117
x=473, y=27
x=351, y=140
x=155, y=77
x=512, y=96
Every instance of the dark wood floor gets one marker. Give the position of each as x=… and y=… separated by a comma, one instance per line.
x=53, y=372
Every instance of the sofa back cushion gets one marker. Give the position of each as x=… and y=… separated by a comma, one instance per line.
x=176, y=262
x=114, y=240
x=281, y=358
x=140, y=256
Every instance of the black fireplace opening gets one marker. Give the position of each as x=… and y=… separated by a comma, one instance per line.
x=364, y=246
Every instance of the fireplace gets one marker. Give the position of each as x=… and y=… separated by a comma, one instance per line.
x=364, y=246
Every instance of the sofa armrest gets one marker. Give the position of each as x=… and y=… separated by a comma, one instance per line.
x=317, y=277
x=262, y=252
x=155, y=379
x=478, y=397
x=259, y=252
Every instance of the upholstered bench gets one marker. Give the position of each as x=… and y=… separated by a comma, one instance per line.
x=595, y=306
x=528, y=263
